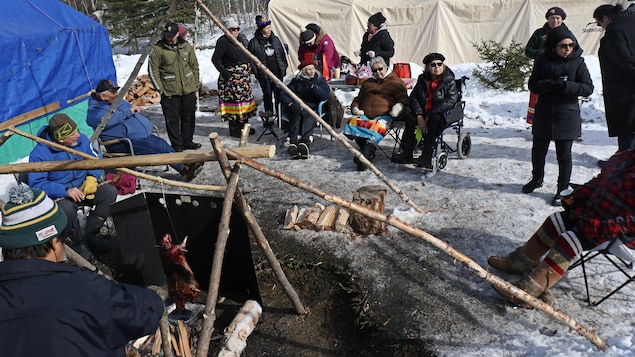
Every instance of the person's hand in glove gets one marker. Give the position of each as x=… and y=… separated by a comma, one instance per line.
x=371, y=54
x=295, y=109
x=557, y=85
x=396, y=110
x=356, y=111
x=89, y=187
x=306, y=82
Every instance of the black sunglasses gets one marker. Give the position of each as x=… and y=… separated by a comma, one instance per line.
x=234, y=29
x=436, y=64
x=378, y=69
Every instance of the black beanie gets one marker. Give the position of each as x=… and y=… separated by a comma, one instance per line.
x=313, y=27
x=432, y=57
x=377, y=19
x=558, y=34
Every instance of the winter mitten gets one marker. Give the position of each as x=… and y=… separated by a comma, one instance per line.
x=396, y=110
x=89, y=187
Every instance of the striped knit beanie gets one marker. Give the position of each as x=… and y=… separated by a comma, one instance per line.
x=30, y=218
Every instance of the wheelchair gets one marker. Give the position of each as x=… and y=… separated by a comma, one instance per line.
x=454, y=120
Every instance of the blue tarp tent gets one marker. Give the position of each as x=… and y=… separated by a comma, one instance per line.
x=53, y=53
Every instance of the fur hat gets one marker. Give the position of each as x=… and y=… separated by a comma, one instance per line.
x=556, y=35
x=262, y=22
x=556, y=11
x=433, y=57
x=170, y=30
x=231, y=22
x=61, y=126
x=307, y=36
x=306, y=62
x=30, y=218
x=377, y=19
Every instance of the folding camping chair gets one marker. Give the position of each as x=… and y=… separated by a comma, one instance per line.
x=617, y=254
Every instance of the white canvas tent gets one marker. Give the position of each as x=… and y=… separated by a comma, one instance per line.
x=422, y=26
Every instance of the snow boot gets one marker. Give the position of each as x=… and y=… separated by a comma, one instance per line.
x=536, y=284
x=96, y=241
x=532, y=185
x=303, y=151
x=522, y=260
x=234, y=128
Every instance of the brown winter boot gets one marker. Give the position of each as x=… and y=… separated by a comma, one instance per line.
x=536, y=284
x=522, y=260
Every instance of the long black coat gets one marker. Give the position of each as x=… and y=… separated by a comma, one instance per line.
x=278, y=65
x=557, y=114
x=617, y=63
x=443, y=98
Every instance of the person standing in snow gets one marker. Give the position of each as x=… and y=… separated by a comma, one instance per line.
x=376, y=41
x=617, y=64
x=267, y=47
x=536, y=46
x=559, y=76
x=596, y=212
x=174, y=72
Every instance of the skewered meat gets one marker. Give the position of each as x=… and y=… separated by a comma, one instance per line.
x=182, y=285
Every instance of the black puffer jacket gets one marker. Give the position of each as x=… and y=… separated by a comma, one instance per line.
x=380, y=42
x=277, y=63
x=443, y=98
x=617, y=63
x=557, y=114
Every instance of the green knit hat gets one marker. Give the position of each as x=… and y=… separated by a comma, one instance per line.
x=30, y=218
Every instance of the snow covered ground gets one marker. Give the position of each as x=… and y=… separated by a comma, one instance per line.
x=477, y=207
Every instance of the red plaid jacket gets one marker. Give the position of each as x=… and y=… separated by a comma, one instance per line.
x=604, y=207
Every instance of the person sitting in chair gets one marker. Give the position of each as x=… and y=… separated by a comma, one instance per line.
x=73, y=188
x=434, y=94
x=127, y=122
x=381, y=99
x=312, y=88
x=596, y=212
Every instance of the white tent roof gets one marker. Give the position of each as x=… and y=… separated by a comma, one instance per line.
x=419, y=27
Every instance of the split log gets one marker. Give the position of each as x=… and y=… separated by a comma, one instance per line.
x=341, y=223
x=184, y=339
x=143, y=92
x=591, y=335
x=290, y=218
x=239, y=329
x=341, y=138
x=326, y=221
x=158, y=342
x=372, y=197
x=311, y=217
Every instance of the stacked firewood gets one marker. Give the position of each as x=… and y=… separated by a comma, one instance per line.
x=318, y=217
x=142, y=92
x=180, y=338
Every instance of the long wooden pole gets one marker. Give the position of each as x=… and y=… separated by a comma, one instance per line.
x=308, y=109
x=133, y=75
x=217, y=264
x=448, y=249
x=256, y=230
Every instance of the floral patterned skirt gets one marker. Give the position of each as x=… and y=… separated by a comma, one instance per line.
x=235, y=97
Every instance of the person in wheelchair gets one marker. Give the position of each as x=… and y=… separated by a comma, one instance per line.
x=596, y=212
x=434, y=94
x=381, y=99
x=312, y=88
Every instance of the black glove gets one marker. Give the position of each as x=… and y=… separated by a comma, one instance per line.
x=295, y=109
x=557, y=85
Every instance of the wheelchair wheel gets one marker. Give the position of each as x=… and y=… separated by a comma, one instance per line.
x=464, y=146
x=442, y=160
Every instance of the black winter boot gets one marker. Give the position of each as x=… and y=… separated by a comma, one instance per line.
x=234, y=128
x=96, y=241
x=532, y=185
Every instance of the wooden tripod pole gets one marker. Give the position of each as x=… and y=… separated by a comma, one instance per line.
x=256, y=230
x=448, y=249
x=314, y=115
x=217, y=264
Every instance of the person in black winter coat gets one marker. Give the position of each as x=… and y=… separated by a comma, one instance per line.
x=434, y=94
x=376, y=41
x=269, y=50
x=312, y=88
x=559, y=76
x=617, y=64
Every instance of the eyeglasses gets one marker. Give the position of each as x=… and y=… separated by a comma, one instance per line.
x=234, y=29
x=436, y=64
x=564, y=46
x=378, y=69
